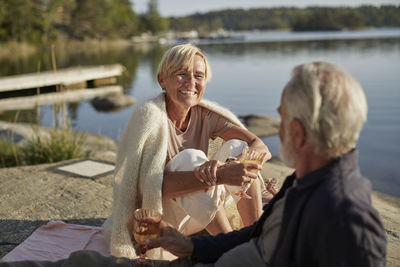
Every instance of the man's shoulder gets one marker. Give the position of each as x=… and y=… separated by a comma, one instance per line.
x=343, y=205
x=350, y=216
x=340, y=196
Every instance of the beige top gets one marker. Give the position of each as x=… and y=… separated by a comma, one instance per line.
x=203, y=125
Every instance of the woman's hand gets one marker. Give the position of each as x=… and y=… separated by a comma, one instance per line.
x=261, y=155
x=207, y=172
x=236, y=173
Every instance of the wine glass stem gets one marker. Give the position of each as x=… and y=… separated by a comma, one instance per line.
x=142, y=258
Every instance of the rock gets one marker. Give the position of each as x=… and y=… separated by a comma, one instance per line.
x=30, y=196
x=112, y=102
x=261, y=126
x=18, y=133
x=100, y=147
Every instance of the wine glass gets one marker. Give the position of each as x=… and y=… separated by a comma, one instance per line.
x=146, y=225
x=249, y=155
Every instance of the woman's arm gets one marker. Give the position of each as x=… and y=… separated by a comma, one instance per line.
x=180, y=183
x=251, y=139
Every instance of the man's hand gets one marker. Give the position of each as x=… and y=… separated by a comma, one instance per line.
x=173, y=241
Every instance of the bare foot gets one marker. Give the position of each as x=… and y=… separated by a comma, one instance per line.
x=270, y=190
x=271, y=186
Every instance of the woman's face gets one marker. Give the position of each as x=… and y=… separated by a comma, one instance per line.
x=185, y=87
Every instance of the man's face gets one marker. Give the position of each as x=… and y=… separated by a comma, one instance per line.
x=286, y=147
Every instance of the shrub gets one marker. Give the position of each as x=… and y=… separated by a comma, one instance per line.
x=61, y=145
x=9, y=154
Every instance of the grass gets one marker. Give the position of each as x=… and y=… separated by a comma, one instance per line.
x=62, y=144
x=9, y=154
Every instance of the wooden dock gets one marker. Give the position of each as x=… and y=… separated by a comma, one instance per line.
x=76, y=77
x=31, y=102
x=28, y=91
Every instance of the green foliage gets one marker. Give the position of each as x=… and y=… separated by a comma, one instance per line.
x=152, y=20
x=60, y=145
x=123, y=18
x=9, y=154
x=103, y=19
x=21, y=20
x=311, y=18
x=326, y=19
x=43, y=21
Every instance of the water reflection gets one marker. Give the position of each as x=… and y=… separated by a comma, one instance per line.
x=131, y=57
x=248, y=79
x=25, y=116
x=292, y=48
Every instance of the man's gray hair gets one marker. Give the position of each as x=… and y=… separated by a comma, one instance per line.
x=330, y=104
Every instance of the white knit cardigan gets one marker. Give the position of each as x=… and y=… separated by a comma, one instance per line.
x=138, y=177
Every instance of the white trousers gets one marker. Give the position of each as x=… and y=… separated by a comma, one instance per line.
x=193, y=212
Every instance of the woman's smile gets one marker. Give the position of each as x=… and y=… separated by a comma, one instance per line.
x=188, y=92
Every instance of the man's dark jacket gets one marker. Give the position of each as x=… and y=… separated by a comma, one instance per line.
x=328, y=220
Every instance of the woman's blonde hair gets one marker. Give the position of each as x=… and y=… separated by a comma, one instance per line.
x=181, y=56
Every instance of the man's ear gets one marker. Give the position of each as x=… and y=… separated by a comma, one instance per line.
x=298, y=133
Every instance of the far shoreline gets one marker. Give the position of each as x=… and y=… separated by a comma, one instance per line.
x=24, y=49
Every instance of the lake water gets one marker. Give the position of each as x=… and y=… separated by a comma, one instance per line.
x=248, y=79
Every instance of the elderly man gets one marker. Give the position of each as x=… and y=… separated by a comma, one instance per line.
x=322, y=216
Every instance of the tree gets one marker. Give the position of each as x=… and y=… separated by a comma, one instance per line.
x=123, y=18
x=21, y=21
x=351, y=19
x=60, y=16
x=101, y=19
x=85, y=18
x=153, y=21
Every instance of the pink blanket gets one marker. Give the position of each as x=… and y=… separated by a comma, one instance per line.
x=56, y=240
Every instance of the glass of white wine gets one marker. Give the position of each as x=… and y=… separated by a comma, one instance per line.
x=249, y=155
x=146, y=225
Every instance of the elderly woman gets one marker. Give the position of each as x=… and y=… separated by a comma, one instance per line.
x=162, y=161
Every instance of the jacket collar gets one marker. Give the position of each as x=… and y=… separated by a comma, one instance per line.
x=339, y=165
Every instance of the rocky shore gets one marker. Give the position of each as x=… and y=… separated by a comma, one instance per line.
x=30, y=196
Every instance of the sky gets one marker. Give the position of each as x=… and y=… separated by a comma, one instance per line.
x=186, y=7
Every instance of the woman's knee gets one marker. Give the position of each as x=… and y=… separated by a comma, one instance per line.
x=231, y=148
x=187, y=160
x=236, y=145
